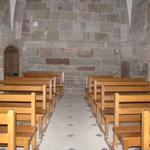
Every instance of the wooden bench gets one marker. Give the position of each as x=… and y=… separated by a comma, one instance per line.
x=50, y=95
x=9, y=137
x=25, y=133
x=47, y=74
x=96, y=94
x=89, y=78
x=41, y=110
x=105, y=105
x=90, y=91
x=129, y=135
x=145, y=130
x=102, y=79
x=51, y=81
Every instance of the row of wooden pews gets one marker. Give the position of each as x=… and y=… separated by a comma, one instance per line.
x=119, y=102
x=31, y=99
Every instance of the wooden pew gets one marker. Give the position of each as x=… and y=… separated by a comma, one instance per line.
x=50, y=95
x=95, y=97
x=10, y=80
x=46, y=74
x=129, y=135
x=90, y=80
x=8, y=137
x=145, y=130
x=105, y=106
x=25, y=133
x=59, y=75
x=90, y=77
x=90, y=91
x=109, y=78
x=41, y=99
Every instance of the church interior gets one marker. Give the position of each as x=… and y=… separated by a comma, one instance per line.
x=74, y=74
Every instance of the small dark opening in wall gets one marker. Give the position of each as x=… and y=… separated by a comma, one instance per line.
x=11, y=61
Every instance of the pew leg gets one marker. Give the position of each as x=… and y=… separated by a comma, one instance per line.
x=125, y=147
x=115, y=141
x=94, y=109
x=26, y=146
x=97, y=116
x=40, y=126
x=34, y=142
x=106, y=127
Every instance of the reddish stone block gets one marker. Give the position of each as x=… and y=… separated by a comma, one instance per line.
x=85, y=68
x=92, y=7
x=57, y=61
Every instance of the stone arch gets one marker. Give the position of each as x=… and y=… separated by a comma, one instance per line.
x=11, y=61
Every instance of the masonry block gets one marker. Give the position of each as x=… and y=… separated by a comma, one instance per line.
x=97, y=17
x=81, y=7
x=38, y=35
x=85, y=68
x=69, y=15
x=113, y=17
x=56, y=15
x=89, y=36
x=65, y=52
x=85, y=53
x=106, y=8
x=52, y=25
x=106, y=27
x=66, y=26
x=53, y=35
x=84, y=61
x=57, y=61
x=101, y=37
x=46, y=52
x=44, y=14
x=39, y=6
x=85, y=16
x=92, y=7
x=35, y=60
x=31, y=51
x=67, y=6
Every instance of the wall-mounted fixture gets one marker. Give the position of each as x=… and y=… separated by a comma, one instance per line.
x=35, y=24
x=116, y=51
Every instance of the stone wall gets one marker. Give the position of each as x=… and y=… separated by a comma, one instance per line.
x=6, y=36
x=140, y=38
x=77, y=37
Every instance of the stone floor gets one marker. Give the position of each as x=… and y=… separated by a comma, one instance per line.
x=73, y=127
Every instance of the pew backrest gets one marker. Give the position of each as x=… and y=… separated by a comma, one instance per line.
x=9, y=138
x=29, y=110
x=130, y=104
x=145, y=130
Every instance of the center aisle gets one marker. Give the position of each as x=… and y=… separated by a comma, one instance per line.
x=73, y=127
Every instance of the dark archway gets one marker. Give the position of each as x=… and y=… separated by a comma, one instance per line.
x=11, y=61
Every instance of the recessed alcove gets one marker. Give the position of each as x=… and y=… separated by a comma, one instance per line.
x=11, y=61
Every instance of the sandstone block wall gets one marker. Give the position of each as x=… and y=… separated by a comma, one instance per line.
x=72, y=36
x=140, y=39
